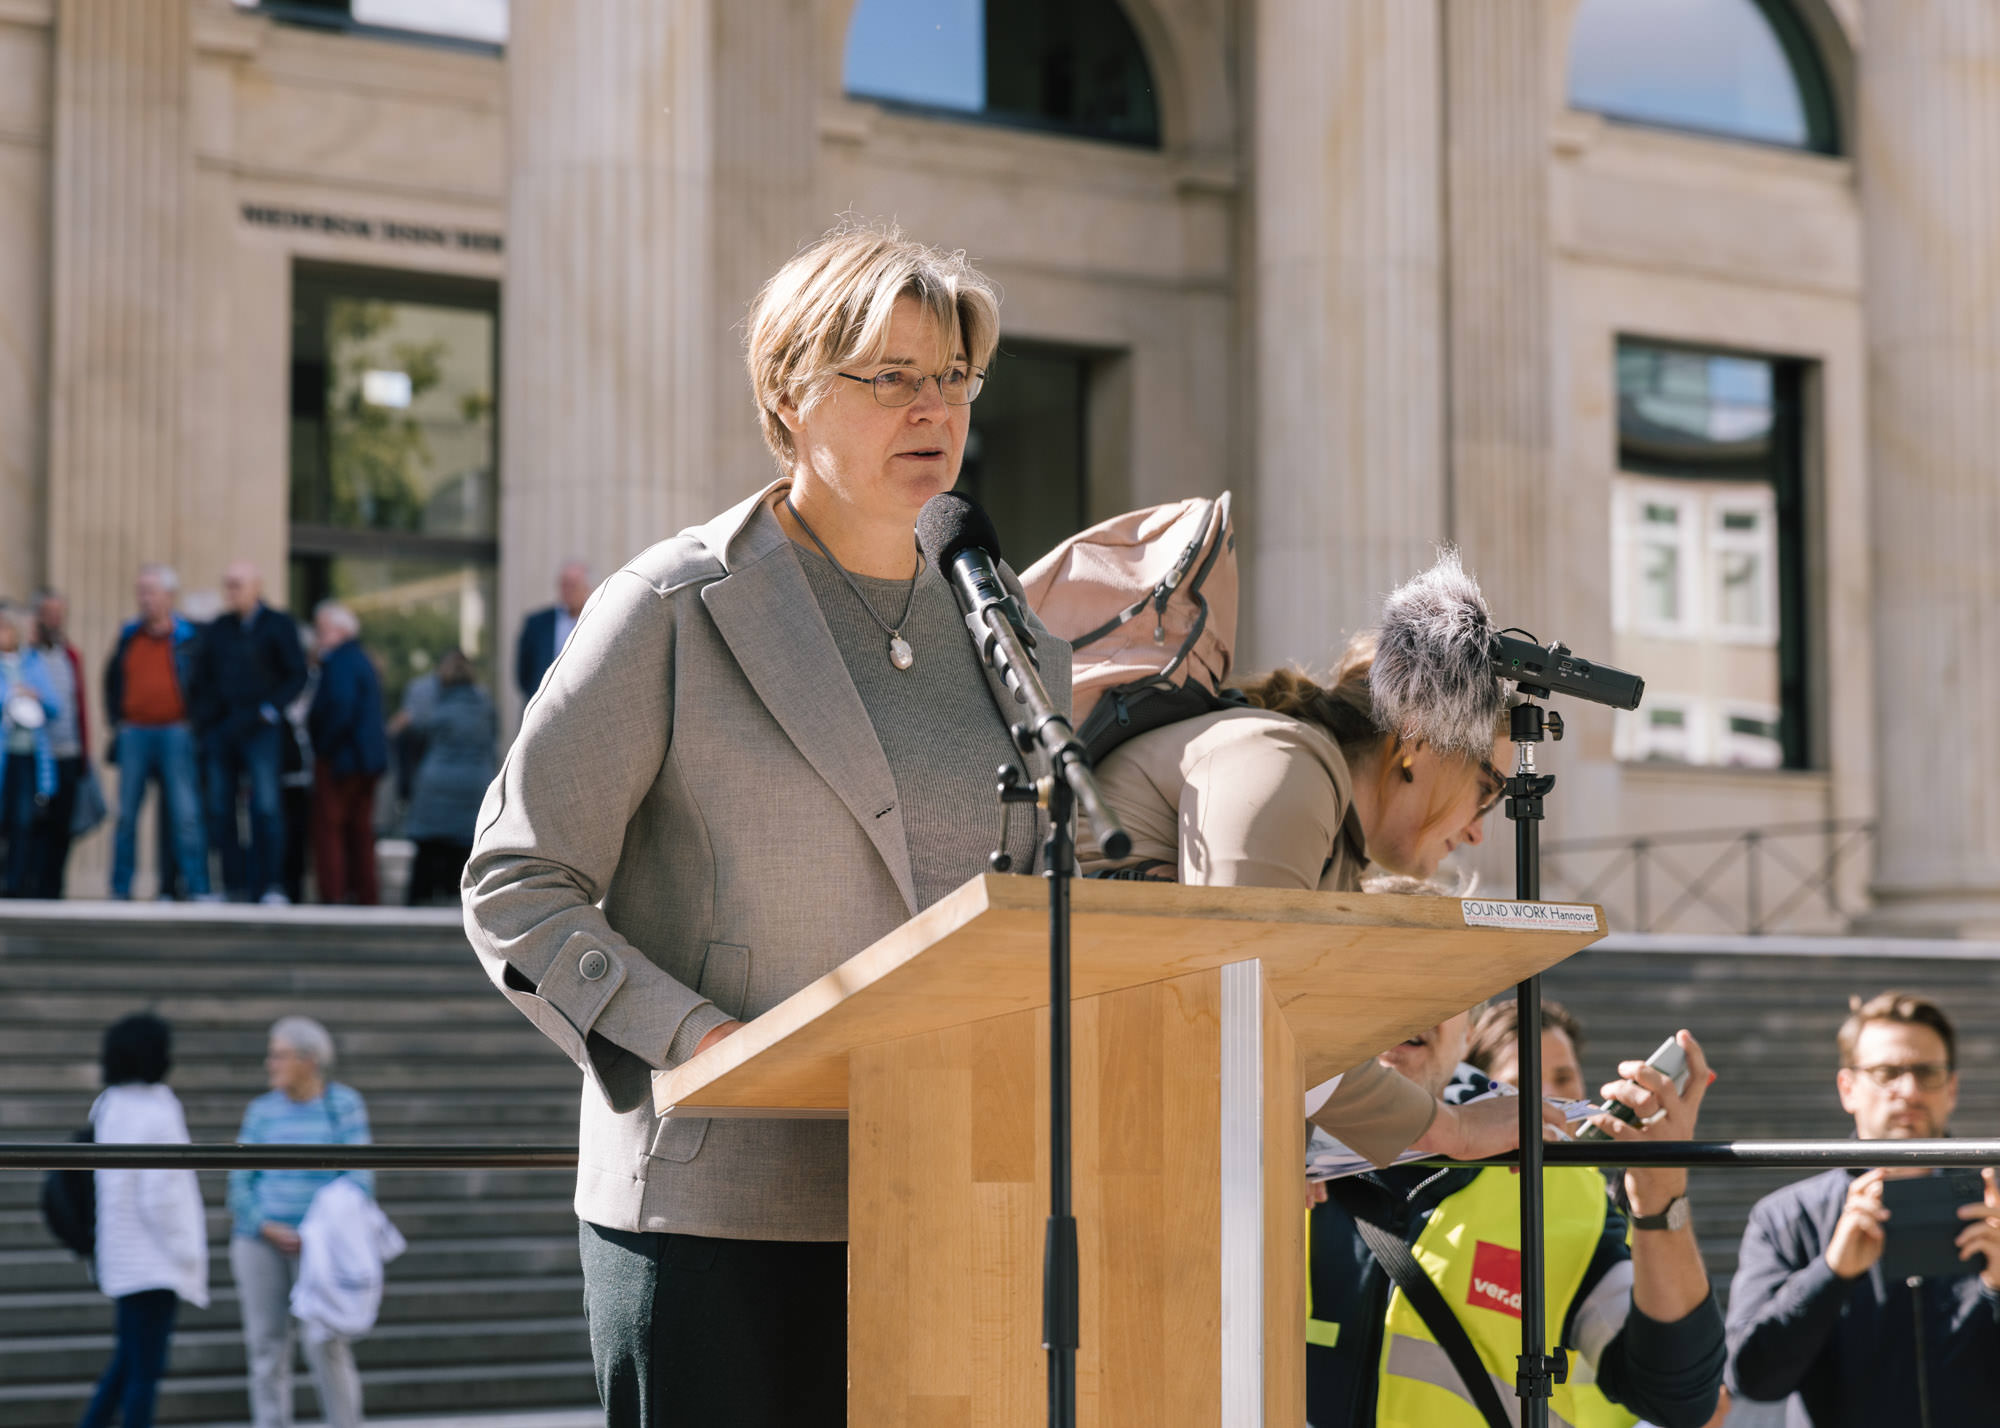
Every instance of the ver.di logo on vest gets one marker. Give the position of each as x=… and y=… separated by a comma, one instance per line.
x=1496, y=1279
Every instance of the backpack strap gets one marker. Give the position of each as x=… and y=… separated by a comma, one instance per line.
x=1394, y=1256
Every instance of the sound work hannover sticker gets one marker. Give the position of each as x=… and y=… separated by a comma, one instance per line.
x=1531, y=916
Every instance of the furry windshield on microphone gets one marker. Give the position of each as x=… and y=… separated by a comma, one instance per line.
x=1432, y=680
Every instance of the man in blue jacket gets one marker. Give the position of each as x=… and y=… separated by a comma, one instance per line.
x=250, y=666
x=1810, y=1310
x=350, y=751
x=149, y=688
x=546, y=631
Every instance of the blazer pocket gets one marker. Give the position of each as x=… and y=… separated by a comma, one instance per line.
x=725, y=981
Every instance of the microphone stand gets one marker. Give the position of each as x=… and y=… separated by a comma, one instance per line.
x=1538, y=1371
x=1003, y=647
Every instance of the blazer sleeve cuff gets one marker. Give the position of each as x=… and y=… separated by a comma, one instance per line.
x=694, y=1026
x=1376, y=1111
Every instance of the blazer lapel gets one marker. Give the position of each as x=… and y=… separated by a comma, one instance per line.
x=767, y=615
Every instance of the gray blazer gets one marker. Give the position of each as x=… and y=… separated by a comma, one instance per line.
x=696, y=820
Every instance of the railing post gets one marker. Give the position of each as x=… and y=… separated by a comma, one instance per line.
x=1639, y=908
x=1752, y=840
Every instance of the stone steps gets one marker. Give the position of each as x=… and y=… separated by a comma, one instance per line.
x=482, y=1314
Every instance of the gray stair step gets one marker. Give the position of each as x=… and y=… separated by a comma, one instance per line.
x=212, y=1352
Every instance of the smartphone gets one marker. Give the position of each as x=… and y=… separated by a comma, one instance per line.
x=1924, y=1222
x=1670, y=1061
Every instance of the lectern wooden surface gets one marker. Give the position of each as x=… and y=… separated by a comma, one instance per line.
x=1189, y=1202
x=1352, y=973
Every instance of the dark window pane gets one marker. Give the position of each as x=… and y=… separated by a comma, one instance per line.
x=1075, y=66
x=1709, y=557
x=1738, y=68
x=1679, y=410
x=1024, y=456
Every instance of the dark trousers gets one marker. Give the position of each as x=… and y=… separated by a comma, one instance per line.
x=751, y=1333
x=51, y=856
x=37, y=831
x=232, y=759
x=19, y=806
x=343, y=836
x=138, y=1361
x=436, y=869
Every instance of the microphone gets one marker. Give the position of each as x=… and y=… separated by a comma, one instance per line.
x=958, y=538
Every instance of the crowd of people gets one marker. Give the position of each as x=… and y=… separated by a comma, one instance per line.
x=264, y=743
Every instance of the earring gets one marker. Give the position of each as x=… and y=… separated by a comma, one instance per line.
x=1409, y=775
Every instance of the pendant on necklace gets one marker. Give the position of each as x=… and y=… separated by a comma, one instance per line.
x=900, y=653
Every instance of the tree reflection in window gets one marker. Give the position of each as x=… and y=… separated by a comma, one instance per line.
x=1743, y=69
x=1070, y=66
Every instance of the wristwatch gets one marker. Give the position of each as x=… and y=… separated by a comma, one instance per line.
x=1674, y=1217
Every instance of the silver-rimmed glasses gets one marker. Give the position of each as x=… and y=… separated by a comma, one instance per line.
x=899, y=386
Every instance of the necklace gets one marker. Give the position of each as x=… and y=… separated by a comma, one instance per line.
x=900, y=653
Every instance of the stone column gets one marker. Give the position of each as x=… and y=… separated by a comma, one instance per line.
x=119, y=335
x=1348, y=350
x=1929, y=161
x=660, y=163
x=1497, y=297
x=607, y=359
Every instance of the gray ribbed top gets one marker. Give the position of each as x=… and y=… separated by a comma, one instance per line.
x=936, y=721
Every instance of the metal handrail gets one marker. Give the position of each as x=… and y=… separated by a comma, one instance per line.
x=86, y=1155
x=1765, y=1154
x=1757, y=850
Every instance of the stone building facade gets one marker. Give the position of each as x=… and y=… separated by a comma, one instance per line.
x=1394, y=271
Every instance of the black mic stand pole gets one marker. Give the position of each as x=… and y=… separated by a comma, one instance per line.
x=1002, y=647
x=1538, y=1371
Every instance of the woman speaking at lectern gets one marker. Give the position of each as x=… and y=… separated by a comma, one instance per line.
x=768, y=743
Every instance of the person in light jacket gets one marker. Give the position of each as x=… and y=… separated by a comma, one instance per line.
x=302, y=1108
x=152, y=1239
x=769, y=743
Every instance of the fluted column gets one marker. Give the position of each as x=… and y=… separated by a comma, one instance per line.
x=1929, y=162
x=1349, y=363
x=1497, y=314
x=609, y=350
x=119, y=336
x=660, y=168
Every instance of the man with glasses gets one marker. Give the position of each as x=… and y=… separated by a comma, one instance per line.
x=1810, y=1310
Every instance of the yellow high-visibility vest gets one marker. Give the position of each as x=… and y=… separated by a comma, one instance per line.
x=1471, y=1249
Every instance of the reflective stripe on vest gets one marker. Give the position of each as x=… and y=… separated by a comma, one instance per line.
x=1471, y=1249
x=1323, y=1332
x=1427, y=1362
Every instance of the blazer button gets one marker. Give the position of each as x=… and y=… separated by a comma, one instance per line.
x=592, y=965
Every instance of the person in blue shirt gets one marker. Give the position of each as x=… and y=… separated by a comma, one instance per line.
x=302, y=1108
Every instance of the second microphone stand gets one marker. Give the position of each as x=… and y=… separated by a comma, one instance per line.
x=1538, y=1370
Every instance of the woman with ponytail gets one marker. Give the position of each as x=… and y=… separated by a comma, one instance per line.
x=1388, y=765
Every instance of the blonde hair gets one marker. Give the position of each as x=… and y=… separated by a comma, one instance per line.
x=1345, y=711
x=830, y=307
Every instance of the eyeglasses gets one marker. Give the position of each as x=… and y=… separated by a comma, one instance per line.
x=1929, y=1075
x=1492, y=784
x=899, y=386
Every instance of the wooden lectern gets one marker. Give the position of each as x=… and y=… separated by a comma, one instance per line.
x=1201, y=1014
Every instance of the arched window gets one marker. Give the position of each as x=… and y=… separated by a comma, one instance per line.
x=1744, y=69
x=1072, y=66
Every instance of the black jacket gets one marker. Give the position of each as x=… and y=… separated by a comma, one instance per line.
x=1669, y=1373
x=535, y=651
x=1848, y=1347
x=246, y=667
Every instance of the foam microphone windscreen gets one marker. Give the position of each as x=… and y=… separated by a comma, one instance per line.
x=1432, y=678
x=950, y=523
